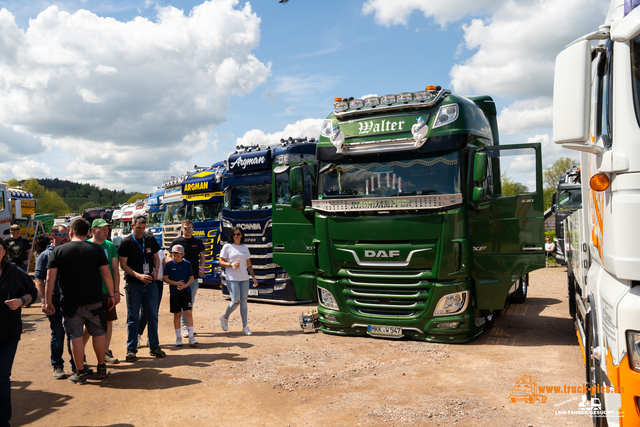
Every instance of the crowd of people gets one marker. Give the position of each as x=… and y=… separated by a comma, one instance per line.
x=78, y=281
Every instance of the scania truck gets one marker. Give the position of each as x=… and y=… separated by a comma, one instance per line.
x=421, y=224
x=203, y=198
x=248, y=204
x=156, y=214
x=596, y=111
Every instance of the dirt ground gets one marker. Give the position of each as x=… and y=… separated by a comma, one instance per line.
x=282, y=377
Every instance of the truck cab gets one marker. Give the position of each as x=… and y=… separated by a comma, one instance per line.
x=156, y=214
x=423, y=224
x=174, y=209
x=203, y=198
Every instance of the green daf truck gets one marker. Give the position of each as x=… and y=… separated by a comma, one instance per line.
x=413, y=220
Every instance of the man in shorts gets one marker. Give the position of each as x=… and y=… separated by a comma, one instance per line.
x=179, y=276
x=80, y=266
x=100, y=229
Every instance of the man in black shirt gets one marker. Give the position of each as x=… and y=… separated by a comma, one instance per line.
x=80, y=267
x=194, y=253
x=19, y=248
x=140, y=262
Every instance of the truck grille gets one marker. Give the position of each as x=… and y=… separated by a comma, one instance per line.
x=407, y=299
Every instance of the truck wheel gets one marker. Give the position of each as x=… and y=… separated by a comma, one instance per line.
x=594, y=374
x=520, y=295
x=489, y=319
x=571, y=284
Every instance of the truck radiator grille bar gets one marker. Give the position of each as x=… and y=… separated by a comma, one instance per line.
x=375, y=298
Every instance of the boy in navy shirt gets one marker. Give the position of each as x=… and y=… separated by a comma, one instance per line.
x=179, y=275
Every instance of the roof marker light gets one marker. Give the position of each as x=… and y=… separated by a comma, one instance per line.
x=388, y=99
x=356, y=103
x=599, y=182
x=405, y=97
x=430, y=87
x=372, y=101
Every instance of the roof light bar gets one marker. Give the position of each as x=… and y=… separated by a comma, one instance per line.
x=349, y=106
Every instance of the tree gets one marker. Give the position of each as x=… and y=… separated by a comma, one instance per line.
x=47, y=201
x=552, y=176
x=135, y=197
x=510, y=187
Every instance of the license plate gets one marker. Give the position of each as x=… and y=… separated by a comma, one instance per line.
x=266, y=291
x=253, y=292
x=390, y=331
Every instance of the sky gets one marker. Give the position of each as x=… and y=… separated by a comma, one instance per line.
x=124, y=94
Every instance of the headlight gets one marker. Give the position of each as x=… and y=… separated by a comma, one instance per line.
x=283, y=276
x=446, y=114
x=405, y=97
x=388, y=99
x=327, y=128
x=452, y=303
x=340, y=106
x=226, y=224
x=356, y=103
x=279, y=287
x=372, y=101
x=633, y=349
x=327, y=299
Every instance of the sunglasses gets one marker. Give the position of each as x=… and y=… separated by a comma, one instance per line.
x=187, y=228
x=61, y=234
x=236, y=234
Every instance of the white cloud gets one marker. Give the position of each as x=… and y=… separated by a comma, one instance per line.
x=309, y=128
x=516, y=47
x=29, y=168
x=526, y=116
x=140, y=87
x=389, y=13
x=552, y=151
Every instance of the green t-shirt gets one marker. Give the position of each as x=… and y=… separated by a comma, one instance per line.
x=111, y=252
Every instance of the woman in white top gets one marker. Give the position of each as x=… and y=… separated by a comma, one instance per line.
x=234, y=256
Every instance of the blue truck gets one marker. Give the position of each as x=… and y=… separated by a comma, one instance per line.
x=248, y=200
x=156, y=214
x=202, y=199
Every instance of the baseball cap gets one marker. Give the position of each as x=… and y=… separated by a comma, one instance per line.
x=99, y=223
x=177, y=248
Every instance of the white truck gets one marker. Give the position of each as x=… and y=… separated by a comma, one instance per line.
x=596, y=110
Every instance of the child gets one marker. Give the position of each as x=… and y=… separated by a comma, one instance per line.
x=179, y=275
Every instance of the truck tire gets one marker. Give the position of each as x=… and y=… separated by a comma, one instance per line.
x=520, y=295
x=593, y=373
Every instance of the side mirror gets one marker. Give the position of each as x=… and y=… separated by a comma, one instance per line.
x=554, y=200
x=296, y=180
x=297, y=202
x=479, y=167
x=478, y=194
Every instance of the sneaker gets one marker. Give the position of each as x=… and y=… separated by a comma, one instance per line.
x=108, y=358
x=193, y=341
x=185, y=332
x=58, y=373
x=246, y=331
x=157, y=352
x=131, y=356
x=140, y=341
x=224, y=323
x=78, y=378
x=179, y=342
x=87, y=370
x=102, y=371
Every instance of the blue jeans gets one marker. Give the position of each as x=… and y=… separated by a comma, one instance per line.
x=239, y=291
x=58, y=336
x=7, y=354
x=143, y=316
x=194, y=289
x=142, y=295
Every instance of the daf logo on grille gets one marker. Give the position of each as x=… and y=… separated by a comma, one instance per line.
x=381, y=254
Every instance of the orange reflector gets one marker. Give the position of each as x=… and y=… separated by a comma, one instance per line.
x=337, y=99
x=430, y=87
x=599, y=182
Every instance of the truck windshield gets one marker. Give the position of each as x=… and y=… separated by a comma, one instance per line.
x=204, y=212
x=156, y=219
x=570, y=199
x=398, y=177
x=248, y=197
x=174, y=213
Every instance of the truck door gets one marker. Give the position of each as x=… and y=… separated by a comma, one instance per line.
x=293, y=231
x=506, y=218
